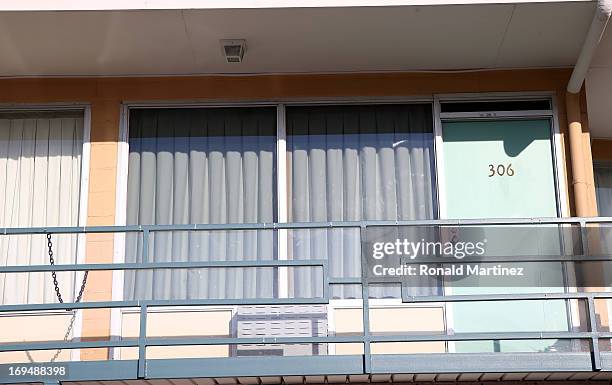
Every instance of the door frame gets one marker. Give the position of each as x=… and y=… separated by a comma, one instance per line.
x=559, y=171
x=558, y=163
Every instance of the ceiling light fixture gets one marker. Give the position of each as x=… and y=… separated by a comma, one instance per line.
x=233, y=50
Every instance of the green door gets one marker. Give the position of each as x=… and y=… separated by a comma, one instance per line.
x=504, y=169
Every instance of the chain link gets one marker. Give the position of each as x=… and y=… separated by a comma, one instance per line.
x=58, y=294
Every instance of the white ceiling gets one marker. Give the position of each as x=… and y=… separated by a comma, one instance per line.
x=97, y=5
x=283, y=40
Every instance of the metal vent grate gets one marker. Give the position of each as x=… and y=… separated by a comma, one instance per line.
x=280, y=321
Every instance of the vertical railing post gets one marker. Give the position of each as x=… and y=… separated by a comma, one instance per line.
x=365, y=297
x=595, y=354
x=326, y=285
x=142, y=341
x=584, y=239
x=145, y=245
x=590, y=304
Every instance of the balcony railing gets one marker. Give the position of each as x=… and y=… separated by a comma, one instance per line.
x=366, y=362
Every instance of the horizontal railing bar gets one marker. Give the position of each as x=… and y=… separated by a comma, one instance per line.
x=68, y=306
x=133, y=342
x=163, y=265
x=291, y=301
x=52, y=345
x=373, y=338
x=506, y=297
x=485, y=259
x=347, y=280
x=186, y=341
x=483, y=336
x=300, y=225
x=237, y=302
x=265, y=263
x=176, y=227
x=161, y=303
x=191, y=341
x=268, y=263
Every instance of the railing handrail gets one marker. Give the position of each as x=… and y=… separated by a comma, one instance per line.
x=298, y=225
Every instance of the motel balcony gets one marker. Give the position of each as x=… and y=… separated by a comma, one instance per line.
x=300, y=302
x=291, y=192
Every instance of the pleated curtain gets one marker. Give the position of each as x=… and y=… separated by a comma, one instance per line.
x=40, y=175
x=353, y=163
x=202, y=165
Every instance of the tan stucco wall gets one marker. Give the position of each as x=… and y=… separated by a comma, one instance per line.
x=178, y=323
x=34, y=328
x=397, y=319
x=106, y=95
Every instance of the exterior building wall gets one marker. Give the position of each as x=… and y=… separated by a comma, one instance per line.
x=602, y=149
x=105, y=96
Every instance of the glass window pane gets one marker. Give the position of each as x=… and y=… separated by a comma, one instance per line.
x=603, y=188
x=40, y=180
x=201, y=165
x=352, y=163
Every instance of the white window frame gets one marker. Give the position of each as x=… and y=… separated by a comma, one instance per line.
x=121, y=210
x=77, y=330
x=374, y=303
x=559, y=168
x=281, y=204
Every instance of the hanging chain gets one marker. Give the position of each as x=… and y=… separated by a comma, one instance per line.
x=58, y=294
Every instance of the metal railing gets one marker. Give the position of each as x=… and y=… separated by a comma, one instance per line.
x=367, y=338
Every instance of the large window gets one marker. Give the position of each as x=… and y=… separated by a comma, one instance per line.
x=353, y=163
x=218, y=165
x=40, y=179
x=204, y=165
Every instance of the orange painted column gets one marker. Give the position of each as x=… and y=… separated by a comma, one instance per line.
x=581, y=159
x=101, y=212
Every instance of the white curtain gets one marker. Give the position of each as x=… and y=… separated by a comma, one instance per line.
x=353, y=163
x=207, y=165
x=40, y=174
x=603, y=187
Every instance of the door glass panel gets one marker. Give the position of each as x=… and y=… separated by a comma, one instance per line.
x=499, y=169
